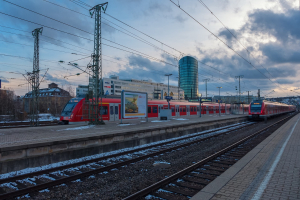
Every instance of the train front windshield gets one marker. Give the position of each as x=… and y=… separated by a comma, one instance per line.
x=68, y=109
x=255, y=107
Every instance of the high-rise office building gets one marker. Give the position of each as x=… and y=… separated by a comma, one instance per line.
x=188, y=76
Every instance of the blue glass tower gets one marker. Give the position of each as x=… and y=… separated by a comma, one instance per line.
x=188, y=76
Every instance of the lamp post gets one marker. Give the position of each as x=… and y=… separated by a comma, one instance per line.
x=168, y=75
x=178, y=86
x=219, y=101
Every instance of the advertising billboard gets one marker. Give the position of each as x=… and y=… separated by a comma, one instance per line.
x=134, y=104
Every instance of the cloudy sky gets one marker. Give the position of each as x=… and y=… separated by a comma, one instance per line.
x=144, y=39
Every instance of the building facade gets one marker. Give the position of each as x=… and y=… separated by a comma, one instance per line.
x=114, y=86
x=188, y=76
x=235, y=99
x=51, y=100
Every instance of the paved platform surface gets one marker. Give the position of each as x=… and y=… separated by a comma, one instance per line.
x=269, y=171
x=33, y=135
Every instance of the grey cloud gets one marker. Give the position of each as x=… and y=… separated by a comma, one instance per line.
x=285, y=81
x=227, y=35
x=280, y=54
x=47, y=9
x=180, y=18
x=142, y=68
x=154, y=6
x=56, y=79
x=283, y=26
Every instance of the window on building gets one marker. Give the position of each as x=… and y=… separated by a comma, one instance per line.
x=117, y=86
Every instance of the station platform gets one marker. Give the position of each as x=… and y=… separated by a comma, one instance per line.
x=21, y=148
x=32, y=135
x=270, y=171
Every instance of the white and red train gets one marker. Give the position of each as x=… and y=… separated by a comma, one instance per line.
x=260, y=109
x=111, y=111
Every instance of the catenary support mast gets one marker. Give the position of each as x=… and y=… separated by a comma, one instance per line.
x=239, y=77
x=206, y=80
x=34, y=79
x=96, y=82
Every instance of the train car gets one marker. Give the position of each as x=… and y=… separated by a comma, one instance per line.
x=261, y=109
x=111, y=109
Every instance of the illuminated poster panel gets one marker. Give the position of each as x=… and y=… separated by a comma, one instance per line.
x=134, y=104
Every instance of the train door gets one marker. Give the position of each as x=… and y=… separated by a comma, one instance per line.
x=177, y=111
x=113, y=112
x=187, y=110
x=173, y=110
x=160, y=107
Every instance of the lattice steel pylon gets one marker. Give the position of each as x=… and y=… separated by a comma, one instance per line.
x=34, y=79
x=96, y=80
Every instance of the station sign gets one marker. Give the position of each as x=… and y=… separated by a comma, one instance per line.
x=194, y=100
x=168, y=97
x=208, y=99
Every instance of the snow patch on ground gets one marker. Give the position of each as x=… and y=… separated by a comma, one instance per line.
x=161, y=162
x=160, y=121
x=11, y=185
x=78, y=128
x=124, y=124
x=45, y=190
x=181, y=119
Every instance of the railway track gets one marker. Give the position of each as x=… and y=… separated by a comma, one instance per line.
x=26, y=124
x=189, y=181
x=31, y=182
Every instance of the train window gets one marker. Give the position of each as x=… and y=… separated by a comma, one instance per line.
x=180, y=109
x=173, y=110
x=154, y=109
x=149, y=109
x=184, y=109
x=198, y=109
x=111, y=108
x=159, y=109
x=116, y=110
x=103, y=111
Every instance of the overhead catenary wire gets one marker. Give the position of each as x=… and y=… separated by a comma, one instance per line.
x=141, y=32
x=129, y=33
x=131, y=27
x=243, y=58
x=201, y=2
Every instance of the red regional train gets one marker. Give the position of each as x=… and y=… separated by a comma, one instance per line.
x=111, y=111
x=260, y=109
